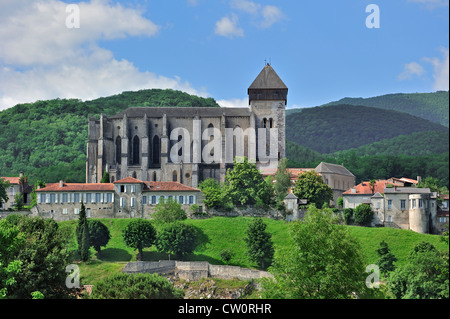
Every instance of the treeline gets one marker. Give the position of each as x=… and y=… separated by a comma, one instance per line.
x=334, y=128
x=47, y=139
x=386, y=166
x=430, y=106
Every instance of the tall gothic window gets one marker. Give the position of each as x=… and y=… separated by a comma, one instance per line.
x=118, y=150
x=175, y=176
x=135, y=150
x=156, y=150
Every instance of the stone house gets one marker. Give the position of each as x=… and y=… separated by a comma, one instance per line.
x=395, y=206
x=125, y=198
x=443, y=214
x=15, y=188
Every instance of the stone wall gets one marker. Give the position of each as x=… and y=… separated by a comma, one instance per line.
x=193, y=270
x=247, y=211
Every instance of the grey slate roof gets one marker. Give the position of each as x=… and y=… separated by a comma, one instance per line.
x=332, y=168
x=406, y=190
x=183, y=112
x=268, y=79
x=377, y=195
x=291, y=196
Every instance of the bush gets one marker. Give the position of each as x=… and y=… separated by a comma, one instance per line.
x=168, y=211
x=348, y=215
x=135, y=286
x=363, y=215
x=177, y=238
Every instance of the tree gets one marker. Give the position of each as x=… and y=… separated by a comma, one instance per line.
x=18, y=201
x=348, y=215
x=282, y=181
x=258, y=241
x=212, y=192
x=33, y=196
x=363, y=214
x=425, y=276
x=105, y=178
x=83, y=238
x=44, y=258
x=135, y=286
x=167, y=211
x=177, y=238
x=245, y=185
x=372, y=185
x=99, y=235
x=310, y=186
x=3, y=195
x=324, y=261
x=139, y=234
x=386, y=258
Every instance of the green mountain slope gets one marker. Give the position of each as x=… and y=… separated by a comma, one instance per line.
x=327, y=129
x=47, y=139
x=430, y=106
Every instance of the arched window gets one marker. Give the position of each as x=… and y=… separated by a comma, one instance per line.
x=136, y=150
x=154, y=176
x=118, y=150
x=156, y=150
x=270, y=122
x=264, y=123
x=133, y=174
x=175, y=176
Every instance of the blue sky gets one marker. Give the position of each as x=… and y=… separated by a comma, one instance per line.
x=322, y=50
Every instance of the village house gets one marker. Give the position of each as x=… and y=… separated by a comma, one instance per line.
x=396, y=203
x=15, y=187
x=125, y=198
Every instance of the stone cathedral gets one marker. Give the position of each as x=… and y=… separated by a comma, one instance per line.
x=143, y=142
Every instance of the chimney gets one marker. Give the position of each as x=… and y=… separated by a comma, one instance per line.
x=61, y=183
x=353, y=191
x=419, y=179
x=39, y=187
x=21, y=175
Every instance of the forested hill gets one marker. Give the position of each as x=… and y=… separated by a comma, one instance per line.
x=327, y=129
x=47, y=139
x=430, y=106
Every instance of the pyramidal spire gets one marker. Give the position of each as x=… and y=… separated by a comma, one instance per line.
x=268, y=86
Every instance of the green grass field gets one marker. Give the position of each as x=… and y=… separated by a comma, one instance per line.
x=228, y=232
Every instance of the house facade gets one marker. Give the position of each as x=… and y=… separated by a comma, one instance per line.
x=125, y=198
x=14, y=188
x=397, y=206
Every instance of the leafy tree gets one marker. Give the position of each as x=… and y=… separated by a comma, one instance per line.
x=386, y=258
x=83, y=238
x=363, y=214
x=340, y=201
x=282, y=180
x=139, y=234
x=372, y=185
x=43, y=257
x=135, y=286
x=258, y=241
x=310, y=186
x=245, y=184
x=3, y=195
x=324, y=261
x=33, y=196
x=177, y=238
x=11, y=241
x=105, y=178
x=167, y=211
x=18, y=201
x=426, y=276
x=212, y=192
x=99, y=234
x=348, y=215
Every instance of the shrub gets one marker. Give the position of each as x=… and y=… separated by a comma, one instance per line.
x=363, y=215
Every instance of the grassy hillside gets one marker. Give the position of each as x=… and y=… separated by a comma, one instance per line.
x=431, y=106
x=223, y=232
x=328, y=129
x=47, y=139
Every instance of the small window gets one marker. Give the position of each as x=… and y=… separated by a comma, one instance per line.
x=191, y=199
x=122, y=202
x=153, y=200
x=76, y=211
x=65, y=198
x=420, y=203
x=98, y=197
x=109, y=198
x=76, y=198
x=64, y=211
x=403, y=204
x=181, y=199
x=122, y=188
x=389, y=204
x=133, y=188
x=88, y=197
x=52, y=198
x=42, y=198
x=144, y=200
x=133, y=201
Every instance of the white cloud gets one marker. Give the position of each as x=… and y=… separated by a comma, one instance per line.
x=229, y=27
x=265, y=16
x=40, y=58
x=440, y=70
x=410, y=70
x=233, y=102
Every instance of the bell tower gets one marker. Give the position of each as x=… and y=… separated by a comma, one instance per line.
x=268, y=98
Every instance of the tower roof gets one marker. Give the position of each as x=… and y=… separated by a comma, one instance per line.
x=268, y=79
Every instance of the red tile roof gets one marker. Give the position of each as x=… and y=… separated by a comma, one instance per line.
x=168, y=186
x=364, y=188
x=129, y=180
x=11, y=180
x=77, y=187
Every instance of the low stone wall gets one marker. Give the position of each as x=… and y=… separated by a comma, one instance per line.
x=248, y=211
x=4, y=214
x=194, y=270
